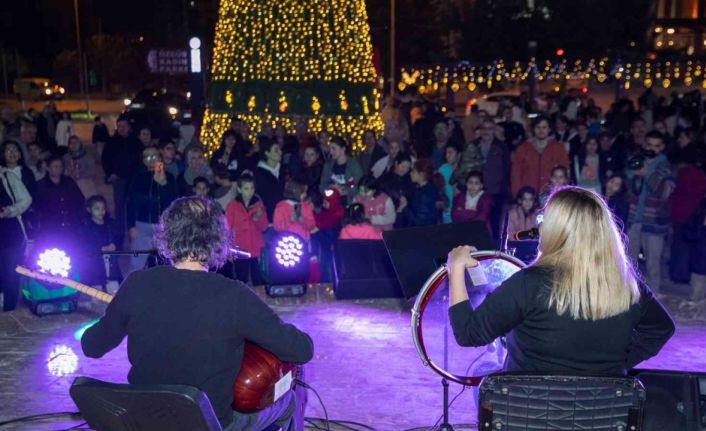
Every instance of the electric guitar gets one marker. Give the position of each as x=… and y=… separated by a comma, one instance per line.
x=262, y=378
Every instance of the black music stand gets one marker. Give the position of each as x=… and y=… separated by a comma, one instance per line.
x=419, y=251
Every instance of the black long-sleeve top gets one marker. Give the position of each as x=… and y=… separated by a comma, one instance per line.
x=147, y=198
x=188, y=327
x=538, y=339
x=122, y=156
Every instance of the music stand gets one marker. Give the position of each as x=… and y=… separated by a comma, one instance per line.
x=419, y=251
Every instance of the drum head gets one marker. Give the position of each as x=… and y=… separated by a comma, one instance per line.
x=432, y=331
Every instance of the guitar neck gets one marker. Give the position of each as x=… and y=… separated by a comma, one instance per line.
x=90, y=291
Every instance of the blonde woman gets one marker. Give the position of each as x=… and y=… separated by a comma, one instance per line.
x=579, y=307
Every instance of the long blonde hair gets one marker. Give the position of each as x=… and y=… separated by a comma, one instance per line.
x=592, y=278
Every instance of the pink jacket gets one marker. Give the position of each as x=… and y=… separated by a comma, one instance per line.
x=360, y=231
x=247, y=230
x=282, y=219
x=380, y=210
x=516, y=221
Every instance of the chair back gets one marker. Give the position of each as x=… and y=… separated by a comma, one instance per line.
x=520, y=401
x=121, y=407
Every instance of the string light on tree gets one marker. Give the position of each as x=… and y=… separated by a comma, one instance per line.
x=305, y=61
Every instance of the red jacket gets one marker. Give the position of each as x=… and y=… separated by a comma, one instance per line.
x=331, y=217
x=530, y=168
x=360, y=231
x=688, y=193
x=282, y=219
x=246, y=230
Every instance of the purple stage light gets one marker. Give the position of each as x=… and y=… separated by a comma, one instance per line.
x=55, y=262
x=289, y=251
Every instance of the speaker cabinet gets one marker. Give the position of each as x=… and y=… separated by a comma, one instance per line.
x=675, y=400
x=362, y=269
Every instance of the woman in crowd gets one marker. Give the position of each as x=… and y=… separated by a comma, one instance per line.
x=385, y=163
x=341, y=172
x=587, y=168
x=14, y=201
x=312, y=166
x=523, y=214
x=558, y=179
x=452, y=156
x=11, y=159
x=616, y=194
x=80, y=166
x=229, y=154
x=196, y=166
x=379, y=208
x=294, y=214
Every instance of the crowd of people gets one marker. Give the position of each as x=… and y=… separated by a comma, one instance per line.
x=646, y=159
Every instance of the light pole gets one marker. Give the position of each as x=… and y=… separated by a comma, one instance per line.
x=81, y=78
x=392, y=47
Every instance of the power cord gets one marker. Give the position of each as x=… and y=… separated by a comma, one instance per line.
x=38, y=417
x=306, y=386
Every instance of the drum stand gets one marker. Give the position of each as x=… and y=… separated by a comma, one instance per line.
x=445, y=425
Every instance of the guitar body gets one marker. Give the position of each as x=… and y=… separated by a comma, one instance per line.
x=261, y=377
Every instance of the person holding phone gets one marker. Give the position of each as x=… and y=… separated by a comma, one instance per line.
x=150, y=192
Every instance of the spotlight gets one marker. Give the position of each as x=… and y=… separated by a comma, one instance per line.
x=55, y=262
x=285, y=265
x=51, y=298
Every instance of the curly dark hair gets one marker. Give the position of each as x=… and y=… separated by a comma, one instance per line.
x=193, y=228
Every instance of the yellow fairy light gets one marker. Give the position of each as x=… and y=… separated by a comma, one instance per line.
x=315, y=105
x=251, y=103
x=366, y=110
x=455, y=87
x=647, y=82
x=626, y=85
x=688, y=81
x=401, y=86
x=229, y=98
x=703, y=84
x=471, y=86
x=342, y=99
x=283, y=102
x=666, y=83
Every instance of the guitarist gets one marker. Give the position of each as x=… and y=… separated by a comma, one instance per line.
x=187, y=326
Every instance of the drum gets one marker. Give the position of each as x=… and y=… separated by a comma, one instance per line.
x=431, y=330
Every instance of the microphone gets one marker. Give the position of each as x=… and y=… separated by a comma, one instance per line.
x=527, y=234
x=239, y=254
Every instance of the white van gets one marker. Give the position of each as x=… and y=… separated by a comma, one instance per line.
x=37, y=89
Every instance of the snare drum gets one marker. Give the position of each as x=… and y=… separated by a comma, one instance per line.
x=431, y=330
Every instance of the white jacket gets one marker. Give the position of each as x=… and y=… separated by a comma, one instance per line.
x=17, y=191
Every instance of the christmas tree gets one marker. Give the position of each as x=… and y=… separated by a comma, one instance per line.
x=284, y=61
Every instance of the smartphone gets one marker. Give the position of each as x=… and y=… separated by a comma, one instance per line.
x=159, y=168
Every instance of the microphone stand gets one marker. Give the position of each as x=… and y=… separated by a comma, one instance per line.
x=445, y=425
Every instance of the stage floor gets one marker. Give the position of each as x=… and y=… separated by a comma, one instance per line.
x=365, y=368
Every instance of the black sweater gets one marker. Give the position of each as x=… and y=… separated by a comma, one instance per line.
x=538, y=339
x=188, y=327
x=147, y=198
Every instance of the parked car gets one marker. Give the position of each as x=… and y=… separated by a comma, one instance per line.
x=158, y=109
x=37, y=89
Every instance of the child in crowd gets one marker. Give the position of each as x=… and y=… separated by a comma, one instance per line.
x=100, y=235
x=523, y=214
x=587, y=168
x=201, y=187
x=328, y=214
x=357, y=226
x=294, y=214
x=474, y=204
x=617, y=197
x=379, y=208
x=559, y=178
x=225, y=190
x=247, y=218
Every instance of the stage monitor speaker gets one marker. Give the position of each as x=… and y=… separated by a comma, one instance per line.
x=417, y=252
x=675, y=400
x=362, y=269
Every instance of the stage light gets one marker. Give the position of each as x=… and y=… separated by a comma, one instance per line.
x=285, y=265
x=289, y=251
x=55, y=262
x=62, y=361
